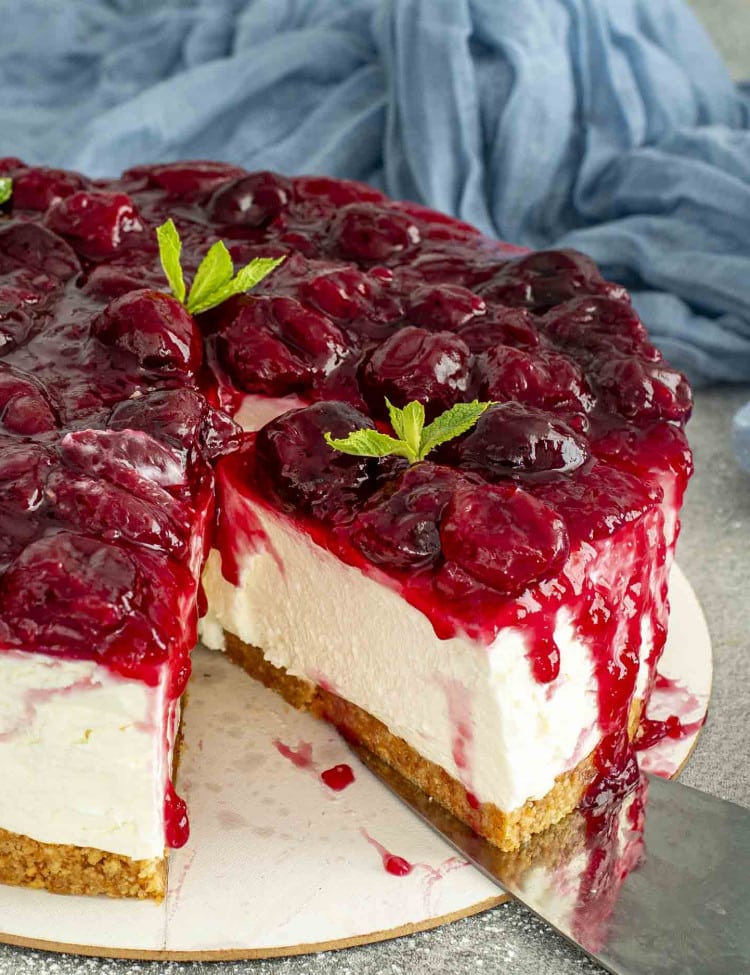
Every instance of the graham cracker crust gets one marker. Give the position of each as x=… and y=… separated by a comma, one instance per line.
x=506, y=830
x=64, y=869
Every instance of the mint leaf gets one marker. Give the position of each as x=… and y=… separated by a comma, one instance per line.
x=370, y=443
x=246, y=278
x=413, y=423
x=254, y=272
x=415, y=440
x=397, y=419
x=455, y=421
x=6, y=189
x=214, y=281
x=214, y=272
x=407, y=423
x=170, y=249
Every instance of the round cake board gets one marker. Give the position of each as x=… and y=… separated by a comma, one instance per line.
x=280, y=864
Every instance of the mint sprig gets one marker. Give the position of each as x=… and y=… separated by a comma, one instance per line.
x=215, y=280
x=6, y=189
x=415, y=440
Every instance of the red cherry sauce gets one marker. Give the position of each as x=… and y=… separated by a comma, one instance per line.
x=301, y=756
x=338, y=778
x=393, y=864
x=176, y=821
x=669, y=693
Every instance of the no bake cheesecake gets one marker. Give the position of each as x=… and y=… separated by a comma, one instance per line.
x=487, y=619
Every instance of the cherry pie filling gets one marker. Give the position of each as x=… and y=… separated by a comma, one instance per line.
x=120, y=455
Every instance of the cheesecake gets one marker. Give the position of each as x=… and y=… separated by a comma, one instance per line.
x=487, y=616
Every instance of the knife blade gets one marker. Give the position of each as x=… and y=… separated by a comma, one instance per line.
x=660, y=885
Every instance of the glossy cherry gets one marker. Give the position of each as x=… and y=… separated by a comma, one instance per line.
x=514, y=439
x=96, y=223
x=414, y=364
x=155, y=329
x=642, y=390
x=400, y=527
x=278, y=346
x=304, y=472
x=184, y=179
x=540, y=378
x=25, y=407
x=503, y=537
x=444, y=308
x=364, y=232
x=38, y=189
x=251, y=201
x=66, y=590
x=546, y=278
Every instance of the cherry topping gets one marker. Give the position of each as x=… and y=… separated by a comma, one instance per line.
x=444, y=308
x=512, y=438
x=414, y=364
x=348, y=294
x=65, y=590
x=106, y=281
x=545, y=278
x=337, y=192
x=251, y=201
x=277, y=345
x=181, y=418
x=155, y=329
x=500, y=326
x=32, y=246
x=400, y=526
x=120, y=454
x=540, y=378
x=111, y=512
x=189, y=178
x=38, y=189
x=24, y=406
x=10, y=165
x=97, y=224
x=304, y=472
x=598, y=324
x=364, y=232
x=23, y=472
x=176, y=821
x=503, y=537
x=396, y=865
x=649, y=449
x=599, y=500
x=643, y=391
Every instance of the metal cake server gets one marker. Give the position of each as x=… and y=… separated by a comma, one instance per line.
x=662, y=888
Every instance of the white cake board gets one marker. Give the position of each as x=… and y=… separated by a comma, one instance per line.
x=277, y=863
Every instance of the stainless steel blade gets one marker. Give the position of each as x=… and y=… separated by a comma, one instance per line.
x=662, y=888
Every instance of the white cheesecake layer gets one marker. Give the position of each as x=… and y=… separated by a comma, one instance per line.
x=473, y=709
x=85, y=755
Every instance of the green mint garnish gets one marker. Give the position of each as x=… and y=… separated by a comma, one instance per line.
x=215, y=280
x=6, y=189
x=170, y=249
x=415, y=440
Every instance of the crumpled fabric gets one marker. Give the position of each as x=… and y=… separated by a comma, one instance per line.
x=607, y=125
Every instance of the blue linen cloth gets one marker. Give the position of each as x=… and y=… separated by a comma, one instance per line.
x=607, y=125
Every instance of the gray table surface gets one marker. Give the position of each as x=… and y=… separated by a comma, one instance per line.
x=714, y=552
